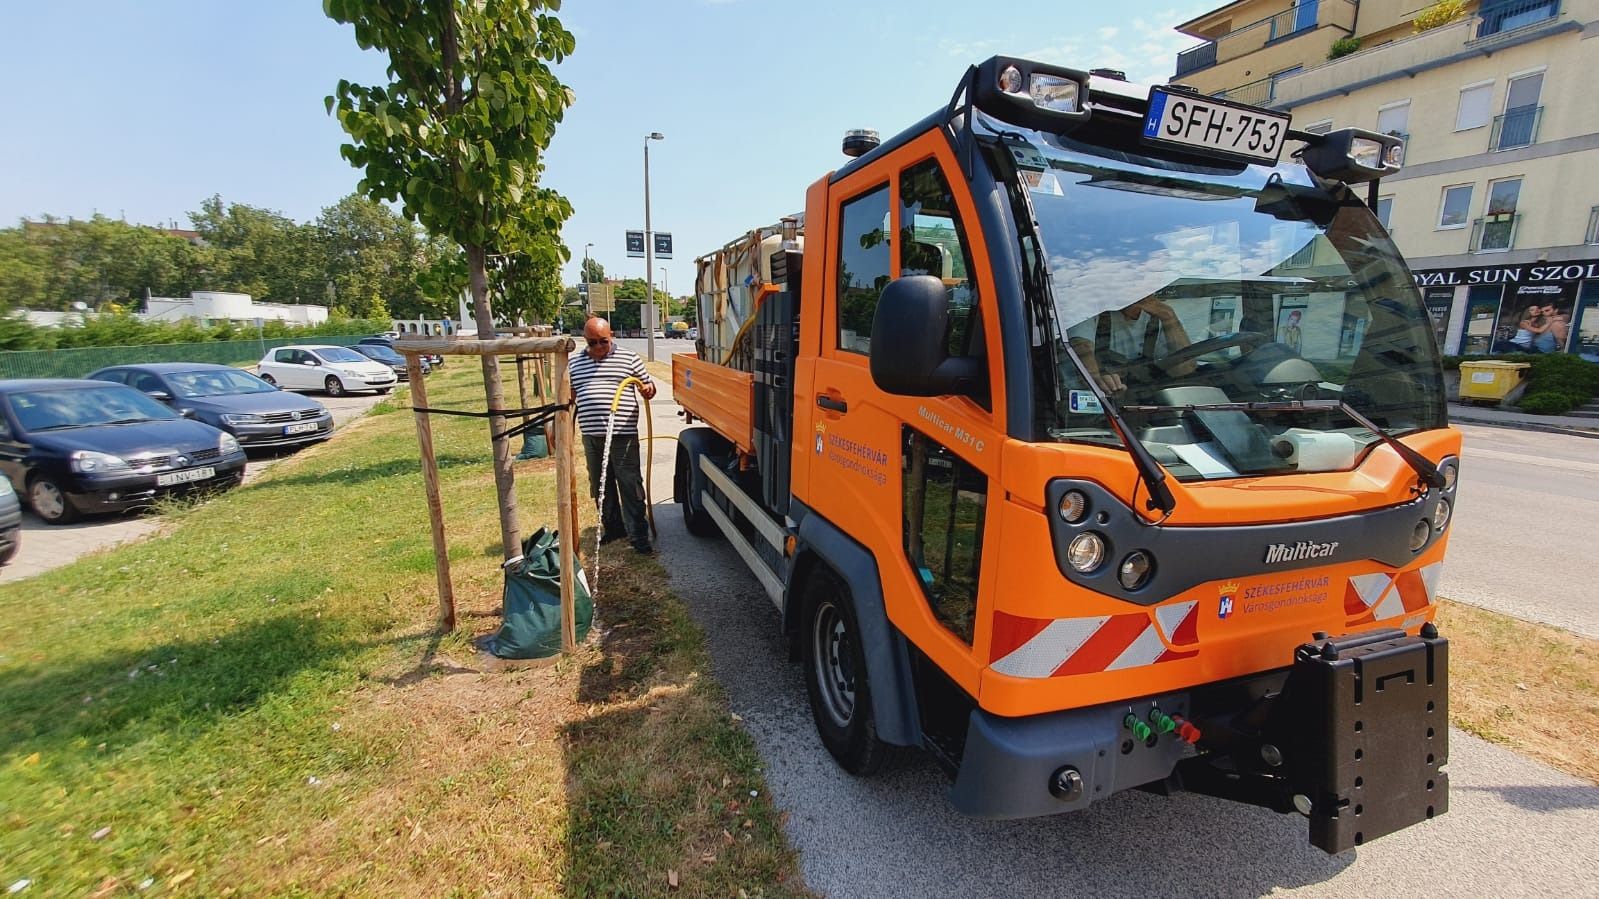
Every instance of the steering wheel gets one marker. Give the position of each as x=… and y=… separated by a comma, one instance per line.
x=1246, y=339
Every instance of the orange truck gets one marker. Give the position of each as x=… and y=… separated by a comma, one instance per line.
x=1090, y=437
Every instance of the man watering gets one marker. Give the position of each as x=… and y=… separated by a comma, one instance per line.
x=596, y=374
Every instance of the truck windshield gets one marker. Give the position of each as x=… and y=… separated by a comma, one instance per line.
x=1180, y=284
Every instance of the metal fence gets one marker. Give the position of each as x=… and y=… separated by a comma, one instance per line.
x=79, y=361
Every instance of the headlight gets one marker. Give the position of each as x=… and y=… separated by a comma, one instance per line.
x=1440, y=515
x=1086, y=551
x=91, y=462
x=1135, y=569
x=1451, y=476
x=1053, y=92
x=241, y=418
x=228, y=444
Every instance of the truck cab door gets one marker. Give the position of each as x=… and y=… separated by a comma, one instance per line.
x=907, y=477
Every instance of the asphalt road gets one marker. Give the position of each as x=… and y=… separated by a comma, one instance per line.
x=1515, y=827
x=45, y=546
x=1524, y=531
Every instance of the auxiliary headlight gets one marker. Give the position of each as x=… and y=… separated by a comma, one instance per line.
x=1441, y=515
x=1054, y=93
x=1135, y=569
x=1073, y=506
x=1366, y=153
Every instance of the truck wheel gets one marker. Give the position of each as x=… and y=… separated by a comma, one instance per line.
x=835, y=678
x=698, y=522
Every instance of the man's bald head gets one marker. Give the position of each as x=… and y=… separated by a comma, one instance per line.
x=597, y=333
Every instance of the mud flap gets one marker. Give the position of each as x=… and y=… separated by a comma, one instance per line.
x=1363, y=723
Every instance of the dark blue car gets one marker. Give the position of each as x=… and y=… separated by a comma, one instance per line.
x=258, y=414
x=75, y=447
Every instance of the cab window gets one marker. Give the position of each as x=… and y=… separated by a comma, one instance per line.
x=863, y=267
x=933, y=242
x=945, y=502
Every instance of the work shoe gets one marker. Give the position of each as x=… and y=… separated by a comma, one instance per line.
x=612, y=538
x=643, y=548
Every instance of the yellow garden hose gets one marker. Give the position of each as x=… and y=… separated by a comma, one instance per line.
x=605, y=464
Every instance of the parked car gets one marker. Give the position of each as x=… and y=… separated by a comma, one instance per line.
x=80, y=446
x=386, y=355
x=335, y=370
x=231, y=399
x=10, y=521
x=433, y=360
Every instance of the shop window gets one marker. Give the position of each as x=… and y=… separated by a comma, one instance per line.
x=1585, y=323
x=1482, y=314
x=863, y=267
x=945, y=503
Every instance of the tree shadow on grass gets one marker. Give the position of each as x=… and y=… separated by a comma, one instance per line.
x=361, y=474
x=122, y=697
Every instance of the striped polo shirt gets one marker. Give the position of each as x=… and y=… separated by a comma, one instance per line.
x=594, y=383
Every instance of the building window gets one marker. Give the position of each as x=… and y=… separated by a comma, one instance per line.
x=1593, y=226
x=1496, y=230
x=1321, y=127
x=862, y=268
x=1394, y=119
x=1385, y=209
x=1476, y=103
x=1518, y=126
x=1456, y=209
x=1507, y=15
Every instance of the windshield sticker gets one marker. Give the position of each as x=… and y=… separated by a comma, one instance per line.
x=1084, y=401
x=1043, y=182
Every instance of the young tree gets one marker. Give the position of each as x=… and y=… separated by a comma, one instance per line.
x=457, y=136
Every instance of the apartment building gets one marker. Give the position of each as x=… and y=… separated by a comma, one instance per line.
x=1497, y=207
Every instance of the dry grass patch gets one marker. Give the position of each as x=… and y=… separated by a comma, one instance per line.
x=1510, y=679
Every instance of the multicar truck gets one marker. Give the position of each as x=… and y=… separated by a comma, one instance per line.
x=1090, y=437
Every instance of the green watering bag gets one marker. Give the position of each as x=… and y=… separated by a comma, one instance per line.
x=532, y=628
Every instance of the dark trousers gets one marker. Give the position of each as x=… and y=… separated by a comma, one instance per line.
x=623, y=510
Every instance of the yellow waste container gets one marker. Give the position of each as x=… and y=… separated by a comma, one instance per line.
x=1489, y=381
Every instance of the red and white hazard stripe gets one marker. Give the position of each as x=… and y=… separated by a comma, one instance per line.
x=1380, y=595
x=1059, y=647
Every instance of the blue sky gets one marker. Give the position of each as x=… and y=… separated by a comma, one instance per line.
x=142, y=109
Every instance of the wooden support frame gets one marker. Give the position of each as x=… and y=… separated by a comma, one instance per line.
x=544, y=349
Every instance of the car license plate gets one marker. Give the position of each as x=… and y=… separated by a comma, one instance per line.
x=303, y=427
x=184, y=477
x=1215, y=125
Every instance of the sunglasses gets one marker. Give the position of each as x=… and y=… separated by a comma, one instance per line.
x=601, y=341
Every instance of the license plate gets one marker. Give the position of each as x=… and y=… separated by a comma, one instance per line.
x=303, y=427
x=1211, y=124
x=184, y=477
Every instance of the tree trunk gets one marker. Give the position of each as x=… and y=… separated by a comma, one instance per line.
x=494, y=392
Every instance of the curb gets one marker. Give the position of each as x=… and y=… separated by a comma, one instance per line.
x=1522, y=425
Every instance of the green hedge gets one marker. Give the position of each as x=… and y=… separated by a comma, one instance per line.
x=79, y=361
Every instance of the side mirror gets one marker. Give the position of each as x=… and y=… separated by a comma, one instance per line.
x=161, y=395
x=910, y=330
x=310, y=362
x=186, y=413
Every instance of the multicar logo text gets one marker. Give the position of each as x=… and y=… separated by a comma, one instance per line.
x=1293, y=552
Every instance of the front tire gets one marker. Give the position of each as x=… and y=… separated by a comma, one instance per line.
x=333, y=386
x=50, y=502
x=836, y=679
x=270, y=380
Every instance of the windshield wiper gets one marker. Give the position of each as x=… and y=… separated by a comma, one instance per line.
x=129, y=421
x=1423, y=466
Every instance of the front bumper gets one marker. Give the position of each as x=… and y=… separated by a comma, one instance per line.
x=274, y=434
x=131, y=491
x=1354, y=735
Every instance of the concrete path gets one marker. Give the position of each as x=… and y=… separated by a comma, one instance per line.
x=1514, y=828
x=45, y=547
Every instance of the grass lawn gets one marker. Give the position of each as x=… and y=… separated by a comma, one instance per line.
x=258, y=703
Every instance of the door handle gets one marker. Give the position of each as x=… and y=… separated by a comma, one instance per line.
x=833, y=404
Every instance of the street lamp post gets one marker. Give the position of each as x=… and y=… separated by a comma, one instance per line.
x=588, y=301
x=649, y=250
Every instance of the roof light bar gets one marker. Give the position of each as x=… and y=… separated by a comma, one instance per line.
x=1353, y=155
x=1031, y=94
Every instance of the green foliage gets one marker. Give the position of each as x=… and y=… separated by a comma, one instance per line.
x=592, y=271
x=1343, y=47
x=1548, y=403
x=1441, y=13
x=372, y=257
x=458, y=135
x=16, y=333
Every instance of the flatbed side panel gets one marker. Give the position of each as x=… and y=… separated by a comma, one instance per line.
x=717, y=395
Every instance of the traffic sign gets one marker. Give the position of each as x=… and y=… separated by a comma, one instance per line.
x=635, y=244
x=602, y=297
x=663, y=245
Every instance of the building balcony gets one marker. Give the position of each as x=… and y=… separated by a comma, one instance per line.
x=1499, y=26
x=1516, y=128
x=1494, y=233
x=1297, y=20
